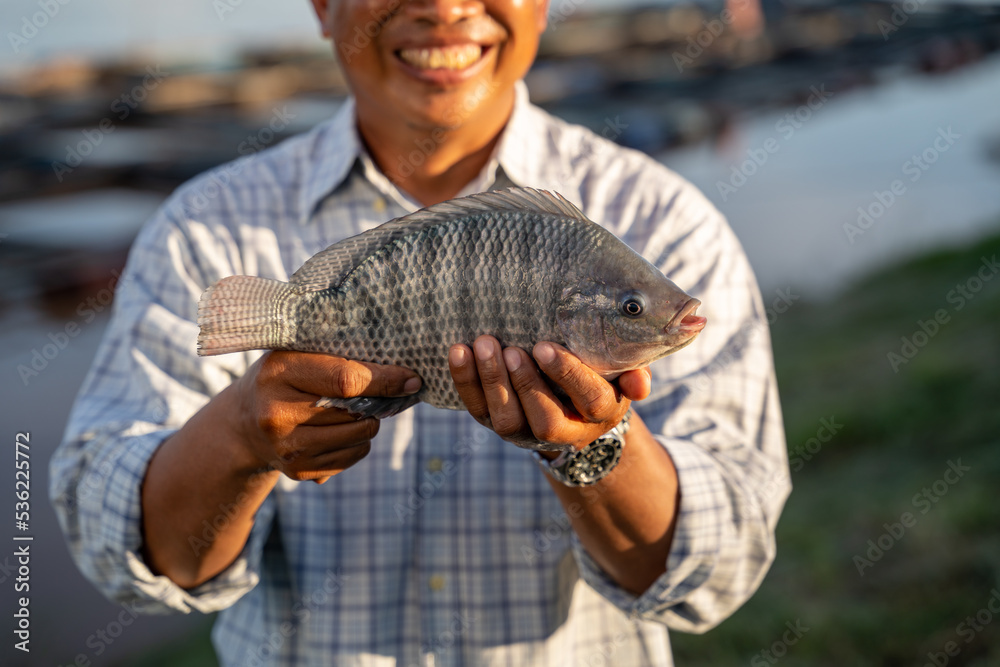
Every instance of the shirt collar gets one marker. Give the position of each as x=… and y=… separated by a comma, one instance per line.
x=338, y=147
x=334, y=152
x=520, y=151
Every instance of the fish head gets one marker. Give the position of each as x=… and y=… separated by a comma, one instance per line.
x=618, y=319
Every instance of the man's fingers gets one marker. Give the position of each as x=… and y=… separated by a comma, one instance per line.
x=545, y=413
x=466, y=378
x=307, y=446
x=635, y=385
x=329, y=464
x=592, y=395
x=323, y=375
x=504, y=406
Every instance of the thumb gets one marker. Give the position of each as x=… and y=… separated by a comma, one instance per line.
x=635, y=385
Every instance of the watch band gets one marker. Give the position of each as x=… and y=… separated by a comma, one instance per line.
x=591, y=464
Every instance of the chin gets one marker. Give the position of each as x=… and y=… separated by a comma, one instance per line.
x=450, y=108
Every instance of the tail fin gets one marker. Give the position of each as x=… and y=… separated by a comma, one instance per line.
x=242, y=313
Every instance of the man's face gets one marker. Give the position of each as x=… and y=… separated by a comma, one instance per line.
x=433, y=63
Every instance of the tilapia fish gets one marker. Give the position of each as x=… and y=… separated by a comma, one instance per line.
x=523, y=265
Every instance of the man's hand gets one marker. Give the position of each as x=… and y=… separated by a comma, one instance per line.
x=262, y=425
x=281, y=428
x=507, y=392
x=627, y=522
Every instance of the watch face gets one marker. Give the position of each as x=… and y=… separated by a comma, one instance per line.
x=593, y=463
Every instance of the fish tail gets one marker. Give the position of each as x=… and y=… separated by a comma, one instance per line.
x=242, y=313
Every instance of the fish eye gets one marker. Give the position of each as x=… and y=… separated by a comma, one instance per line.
x=633, y=304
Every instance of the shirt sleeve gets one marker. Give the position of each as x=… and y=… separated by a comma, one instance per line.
x=146, y=382
x=715, y=409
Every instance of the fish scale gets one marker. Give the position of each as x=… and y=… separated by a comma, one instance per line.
x=523, y=265
x=430, y=289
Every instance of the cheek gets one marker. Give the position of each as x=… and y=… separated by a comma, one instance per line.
x=584, y=335
x=628, y=343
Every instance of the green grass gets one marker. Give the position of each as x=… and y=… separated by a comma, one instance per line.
x=900, y=430
x=194, y=650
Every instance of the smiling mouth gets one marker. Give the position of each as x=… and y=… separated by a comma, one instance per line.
x=452, y=58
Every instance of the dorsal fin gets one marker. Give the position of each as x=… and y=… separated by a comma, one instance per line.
x=328, y=268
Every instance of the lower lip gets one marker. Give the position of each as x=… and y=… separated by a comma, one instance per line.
x=692, y=323
x=688, y=321
x=445, y=77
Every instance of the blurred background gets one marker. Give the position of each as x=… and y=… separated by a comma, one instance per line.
x=854, y=147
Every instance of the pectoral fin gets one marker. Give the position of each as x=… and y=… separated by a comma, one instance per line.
x=370, y=406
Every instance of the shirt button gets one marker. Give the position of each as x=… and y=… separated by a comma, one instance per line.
x=435, y=464
x=378, y=204
x=436, y=582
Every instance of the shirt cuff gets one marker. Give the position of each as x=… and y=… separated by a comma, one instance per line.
x=705, y=508
x=115, y=561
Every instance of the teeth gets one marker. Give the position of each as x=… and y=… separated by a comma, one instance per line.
x=443, y=57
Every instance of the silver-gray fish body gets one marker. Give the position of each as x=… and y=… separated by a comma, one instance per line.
x=523, y=265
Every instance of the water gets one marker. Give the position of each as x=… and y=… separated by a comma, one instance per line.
x=791, y=211
x=186, y=30
x=67, y=612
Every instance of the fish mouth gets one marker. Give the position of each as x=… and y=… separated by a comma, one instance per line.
x=685, y=322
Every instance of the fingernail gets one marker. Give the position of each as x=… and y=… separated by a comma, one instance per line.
x=457, y=356
x=512, y=359
x=545, y=353
x=412, y=386
x=484, y=350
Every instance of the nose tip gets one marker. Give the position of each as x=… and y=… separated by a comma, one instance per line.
x=442, y=12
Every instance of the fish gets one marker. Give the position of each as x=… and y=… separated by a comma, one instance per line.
x=523, y=265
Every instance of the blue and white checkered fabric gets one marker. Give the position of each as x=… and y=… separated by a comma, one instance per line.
x=445, y=546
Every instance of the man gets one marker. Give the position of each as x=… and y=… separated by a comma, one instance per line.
x=187, y=483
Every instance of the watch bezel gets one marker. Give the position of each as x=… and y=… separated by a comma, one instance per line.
x=579, y=467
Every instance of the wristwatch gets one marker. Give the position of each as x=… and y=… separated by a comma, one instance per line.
x=591, y=464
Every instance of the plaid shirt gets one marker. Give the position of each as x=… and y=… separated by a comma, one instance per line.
x=445, y=546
